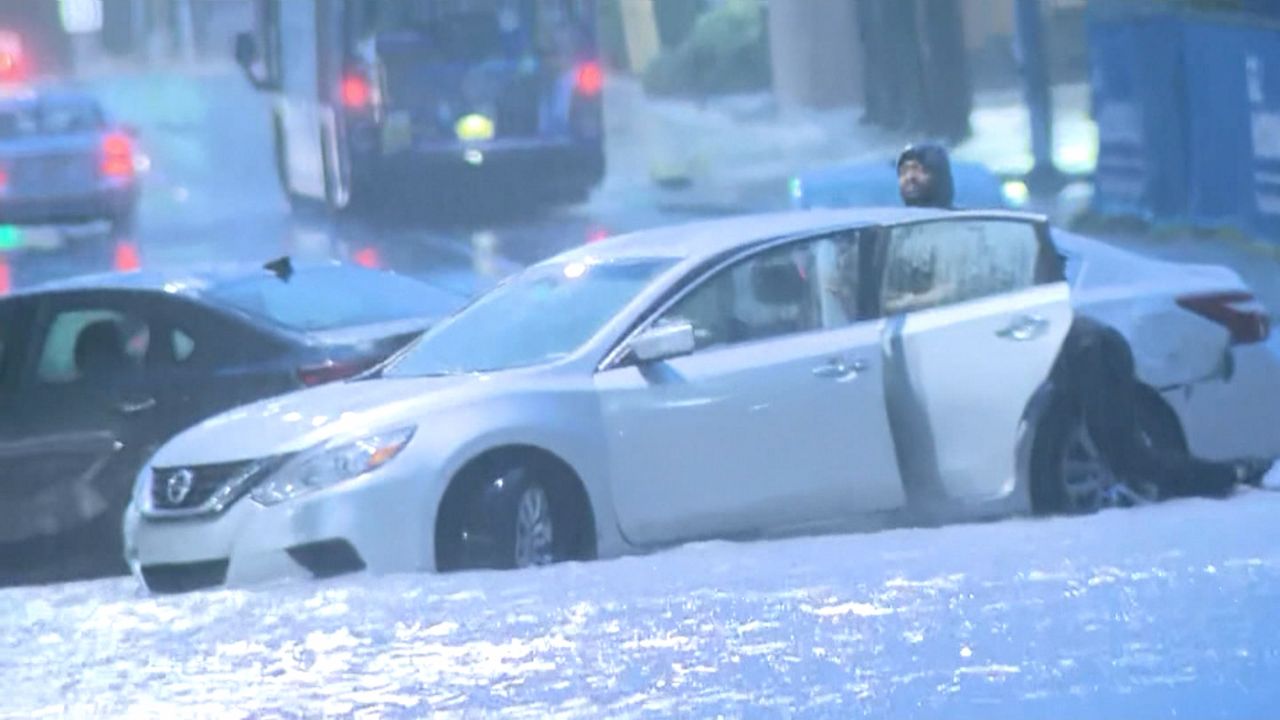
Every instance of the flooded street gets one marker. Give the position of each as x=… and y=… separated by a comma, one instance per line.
x=1120, y=615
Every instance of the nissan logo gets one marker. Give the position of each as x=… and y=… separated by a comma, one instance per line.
x=178, y=486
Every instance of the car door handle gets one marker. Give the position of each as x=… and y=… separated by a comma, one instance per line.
x=136, y=406
x=839, y=369
x=1027, y=327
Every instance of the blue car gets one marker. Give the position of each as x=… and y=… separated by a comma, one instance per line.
x=875, y=183
x=62, y=160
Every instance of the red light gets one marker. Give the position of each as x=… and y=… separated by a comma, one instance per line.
x=127, y=259
x=117, y=155
x=355, y=91
x=368, y=257
x=6, y=279
x=1238, y=312
x=4, y=179
x=596, y=234
x=590, y=79
x=331, y=371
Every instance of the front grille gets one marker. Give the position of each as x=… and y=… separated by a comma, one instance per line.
x=196, y=486
x=185, y=577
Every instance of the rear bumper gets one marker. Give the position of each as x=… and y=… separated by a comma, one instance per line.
x=107, y=203
x=555, y=162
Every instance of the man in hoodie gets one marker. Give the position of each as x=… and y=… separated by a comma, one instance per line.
x=1097, y=372
x=924, y=177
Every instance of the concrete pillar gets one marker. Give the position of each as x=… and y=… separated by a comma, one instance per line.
x=816, y=54
x=640, y=27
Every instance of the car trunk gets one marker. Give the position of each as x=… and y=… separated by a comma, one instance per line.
x=50, y=166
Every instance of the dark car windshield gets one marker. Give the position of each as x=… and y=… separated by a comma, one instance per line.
x=542, y=315
x=60, y=116
x=329, y=298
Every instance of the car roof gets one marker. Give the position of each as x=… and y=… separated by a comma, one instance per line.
x=708, y=238
x=190, y=282
x=27, y=94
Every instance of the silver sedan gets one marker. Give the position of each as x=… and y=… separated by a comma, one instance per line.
x=741, y=378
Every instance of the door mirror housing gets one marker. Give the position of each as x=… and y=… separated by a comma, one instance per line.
x=247, y=56
x=664, y=342
x=246, y=50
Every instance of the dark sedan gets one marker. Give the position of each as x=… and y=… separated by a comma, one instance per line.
x=97, y=372
x=62, y=160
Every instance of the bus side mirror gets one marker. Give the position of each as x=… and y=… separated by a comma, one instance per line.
x=246, y=50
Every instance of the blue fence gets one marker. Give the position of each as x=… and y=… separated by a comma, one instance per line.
x=1188, y=112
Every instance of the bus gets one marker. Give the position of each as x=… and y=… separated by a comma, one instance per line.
x=377, y=99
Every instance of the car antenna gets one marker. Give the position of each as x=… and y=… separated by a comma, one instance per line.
x=281, y=267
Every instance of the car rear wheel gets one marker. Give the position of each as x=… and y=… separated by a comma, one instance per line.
x=1072, y=476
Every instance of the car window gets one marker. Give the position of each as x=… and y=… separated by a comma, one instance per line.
x=797, y=288
x=50, y=117
x=182, y=345
x=82, y=342
x=935, y=264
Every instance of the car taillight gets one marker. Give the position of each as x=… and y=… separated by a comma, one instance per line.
x=1239, y=312
x=331, y=371
x=590, y=79
x=117, y=156
x=356, y=91
x=126, y=257
x=4, y=178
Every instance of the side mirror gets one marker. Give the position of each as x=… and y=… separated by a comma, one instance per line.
x=664, y=342
x=246, y=50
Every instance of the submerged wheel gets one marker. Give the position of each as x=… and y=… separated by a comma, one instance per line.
x=1070, y=474
x=512, y=514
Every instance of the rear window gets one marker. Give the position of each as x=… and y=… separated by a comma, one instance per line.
x=331, y=298
x=61, y=117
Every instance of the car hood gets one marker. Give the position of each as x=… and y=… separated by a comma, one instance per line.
x=294, y=422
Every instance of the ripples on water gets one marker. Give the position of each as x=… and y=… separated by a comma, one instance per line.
x=1127, y=614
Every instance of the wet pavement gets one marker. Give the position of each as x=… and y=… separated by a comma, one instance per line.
x=1118, y=615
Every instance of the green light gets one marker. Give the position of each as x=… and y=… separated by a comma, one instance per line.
x=10, y=237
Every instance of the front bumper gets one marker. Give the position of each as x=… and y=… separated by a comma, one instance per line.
x=380, y=522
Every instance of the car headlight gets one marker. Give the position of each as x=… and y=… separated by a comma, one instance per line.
x=330, y=464
x=1015, y=193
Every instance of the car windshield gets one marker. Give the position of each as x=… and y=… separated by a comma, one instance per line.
x=544, y=314
x=50, y=117
x=329, y=298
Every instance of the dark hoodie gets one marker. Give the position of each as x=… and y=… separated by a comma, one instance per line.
x=941, y=192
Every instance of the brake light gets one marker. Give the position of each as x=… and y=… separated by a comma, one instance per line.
x=590, y=79
x=330, y=371
x=356, y=93
x=5, y=280
x=368, y=257
x=1239, y=312
x=117, y=156
x=4, y=178
x=126, y=257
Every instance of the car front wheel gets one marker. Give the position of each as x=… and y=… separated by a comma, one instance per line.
x=513, y=518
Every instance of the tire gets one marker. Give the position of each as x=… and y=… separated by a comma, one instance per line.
x=1069, y=475
x=513, y=515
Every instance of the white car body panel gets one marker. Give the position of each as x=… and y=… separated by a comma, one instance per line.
x=964, y=388
x=1216, y=389
x=706, y=445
